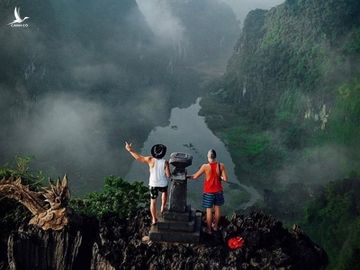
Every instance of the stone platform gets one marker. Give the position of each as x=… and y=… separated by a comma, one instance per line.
x=177, y=227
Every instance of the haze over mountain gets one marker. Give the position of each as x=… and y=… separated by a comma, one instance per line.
x=242, y=7
x=85, y=76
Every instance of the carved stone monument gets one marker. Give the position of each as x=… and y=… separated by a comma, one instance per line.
x=49, y=207
x=179, y=223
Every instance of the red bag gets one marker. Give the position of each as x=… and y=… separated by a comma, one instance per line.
x=235, y=242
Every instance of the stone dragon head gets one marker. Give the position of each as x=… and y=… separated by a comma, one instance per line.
x=49, y=207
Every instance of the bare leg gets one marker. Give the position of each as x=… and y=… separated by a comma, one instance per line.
x=217, y=217
x=153, y=210
x=163, y=201
x=208, y=218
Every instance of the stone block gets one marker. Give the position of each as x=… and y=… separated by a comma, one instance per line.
x=167, y=234
x=178, y=216
x=187, y=226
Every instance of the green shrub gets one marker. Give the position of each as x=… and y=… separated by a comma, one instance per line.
x=118, y=198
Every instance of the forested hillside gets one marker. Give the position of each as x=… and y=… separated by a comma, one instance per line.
x=288, y=106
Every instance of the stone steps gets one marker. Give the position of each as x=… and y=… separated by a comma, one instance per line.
x=177, y=231
x=186, y=226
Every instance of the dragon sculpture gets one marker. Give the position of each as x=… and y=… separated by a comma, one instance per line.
x=49, y=207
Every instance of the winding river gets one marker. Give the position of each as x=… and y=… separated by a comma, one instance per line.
x=187, y=132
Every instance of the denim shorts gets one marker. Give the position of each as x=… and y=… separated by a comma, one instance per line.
x=211, y=199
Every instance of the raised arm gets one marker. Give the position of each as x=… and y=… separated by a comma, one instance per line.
x=224, y=175
x=199, y=172
x=136, y=155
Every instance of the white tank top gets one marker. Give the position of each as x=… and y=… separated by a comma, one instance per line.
x=157, y=174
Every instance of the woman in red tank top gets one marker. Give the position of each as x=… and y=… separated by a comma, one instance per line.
x=213, y=196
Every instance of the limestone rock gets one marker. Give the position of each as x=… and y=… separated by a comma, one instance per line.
x=113, y=243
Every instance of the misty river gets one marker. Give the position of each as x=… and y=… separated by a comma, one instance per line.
x=187, y=132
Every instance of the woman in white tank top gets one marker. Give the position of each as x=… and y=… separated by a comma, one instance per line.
x=159, y=172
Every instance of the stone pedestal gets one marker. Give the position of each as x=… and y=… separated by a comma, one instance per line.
x=174, y=230
x=179, y=223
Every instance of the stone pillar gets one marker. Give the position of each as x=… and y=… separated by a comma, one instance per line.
x=178, y=191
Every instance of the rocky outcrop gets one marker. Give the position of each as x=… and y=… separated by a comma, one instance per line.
x=71, y=248
x=117, y=244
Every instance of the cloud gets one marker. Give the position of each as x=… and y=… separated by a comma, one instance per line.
x=94, y=73
x=68, y=133
x=317, y=165
x=167, y=27
x=151, y=107
x=62, y=119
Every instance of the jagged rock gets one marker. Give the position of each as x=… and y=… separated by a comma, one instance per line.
x=117, y=244
x=33, y=248
x=98, y=261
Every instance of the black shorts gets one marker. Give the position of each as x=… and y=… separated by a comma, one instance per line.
x=154, y=191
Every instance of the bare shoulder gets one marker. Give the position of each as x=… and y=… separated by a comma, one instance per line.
x=202, y=168
x=205, y=167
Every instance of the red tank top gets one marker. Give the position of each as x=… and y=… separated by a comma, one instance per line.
x=213, y=183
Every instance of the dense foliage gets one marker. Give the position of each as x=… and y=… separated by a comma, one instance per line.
x=333, y=219
x=118, y=198
x=344, y=125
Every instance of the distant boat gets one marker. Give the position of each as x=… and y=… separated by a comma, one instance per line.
x=17, y=17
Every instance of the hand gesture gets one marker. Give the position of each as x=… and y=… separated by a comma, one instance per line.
x=128, y=146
